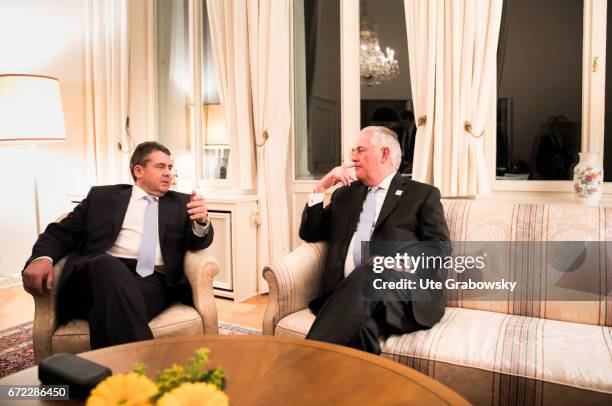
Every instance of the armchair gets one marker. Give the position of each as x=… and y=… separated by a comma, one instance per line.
x=178, y=319
x=294, y=280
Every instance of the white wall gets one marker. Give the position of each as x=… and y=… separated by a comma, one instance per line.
x=42, y=37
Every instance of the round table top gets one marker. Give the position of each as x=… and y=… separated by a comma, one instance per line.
x=270, y=370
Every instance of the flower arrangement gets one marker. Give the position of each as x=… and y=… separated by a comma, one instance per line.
x=192, y=384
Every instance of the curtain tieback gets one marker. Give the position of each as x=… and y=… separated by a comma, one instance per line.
x=467, y=126
x=265, y=136
x=422, y=121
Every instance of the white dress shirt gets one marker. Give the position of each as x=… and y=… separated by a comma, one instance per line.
x=315, y=198
x=127, y=244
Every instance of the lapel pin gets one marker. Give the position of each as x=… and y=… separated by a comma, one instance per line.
x=398, y=193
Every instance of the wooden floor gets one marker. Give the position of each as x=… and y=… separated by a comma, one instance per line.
x=17, y=307
x=248, y=313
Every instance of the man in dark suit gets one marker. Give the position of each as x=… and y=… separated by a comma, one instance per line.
x=126, y=246
x=374, y=204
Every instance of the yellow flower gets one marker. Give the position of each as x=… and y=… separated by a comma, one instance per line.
x=196, y=394
x=126, y=390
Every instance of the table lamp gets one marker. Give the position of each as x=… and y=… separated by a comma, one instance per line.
x=31, y=112
x=216, y=137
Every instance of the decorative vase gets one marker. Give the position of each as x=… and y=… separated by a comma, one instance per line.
x=588, y=178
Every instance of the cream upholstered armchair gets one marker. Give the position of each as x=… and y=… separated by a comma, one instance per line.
x=294, y=280
x=178, y=319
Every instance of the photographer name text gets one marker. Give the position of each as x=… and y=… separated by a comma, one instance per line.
x=503, y=284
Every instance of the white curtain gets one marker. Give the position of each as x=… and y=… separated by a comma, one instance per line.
x=106, y=75
x=466, y=37
x=252, y=48
x=270, y=36
x=172, y=65
x=423, y=23
x=229, y=38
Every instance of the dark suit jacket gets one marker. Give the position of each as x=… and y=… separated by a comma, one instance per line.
x=414, y=215
x=93, y=226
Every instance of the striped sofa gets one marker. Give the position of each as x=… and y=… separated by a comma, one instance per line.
x=526, y=349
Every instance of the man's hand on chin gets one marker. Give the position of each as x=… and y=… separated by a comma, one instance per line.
x=38, y=277
x=340, y=174
x=197, y=208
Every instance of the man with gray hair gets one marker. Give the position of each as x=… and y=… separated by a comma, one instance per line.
x=375, y=203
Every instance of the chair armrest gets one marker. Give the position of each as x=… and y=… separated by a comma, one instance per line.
x=200, y=269
x=294, y=280
x=45, y=317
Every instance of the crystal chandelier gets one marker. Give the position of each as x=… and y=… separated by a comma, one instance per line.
x=374, y=65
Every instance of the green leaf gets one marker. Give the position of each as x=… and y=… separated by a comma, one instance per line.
x=140, y=368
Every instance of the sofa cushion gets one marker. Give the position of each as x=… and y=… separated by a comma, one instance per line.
x=176, y=320
x=296, y=324
x=480, y=347
x=541, y=229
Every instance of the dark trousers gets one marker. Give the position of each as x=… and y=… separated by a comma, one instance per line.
x=356, y=315
x=117, y=301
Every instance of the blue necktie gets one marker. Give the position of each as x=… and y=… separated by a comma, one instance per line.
x=146, y=255
x=366, y=223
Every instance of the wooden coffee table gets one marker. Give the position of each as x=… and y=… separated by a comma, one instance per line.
x=269, y=370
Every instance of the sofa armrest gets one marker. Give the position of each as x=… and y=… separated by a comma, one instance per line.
x=294, y=280
x=200, y=269
x=45, y=317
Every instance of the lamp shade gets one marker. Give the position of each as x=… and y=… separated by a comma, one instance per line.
x=216, y=128
x=30, y=109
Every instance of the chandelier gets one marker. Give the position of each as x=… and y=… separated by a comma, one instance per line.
x=374, y=65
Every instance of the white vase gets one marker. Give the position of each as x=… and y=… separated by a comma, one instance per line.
x=588, y=178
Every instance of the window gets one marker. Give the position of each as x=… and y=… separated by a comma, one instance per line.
x=550, y=100
x=173, y=84
x=539, y=105
x=200, y=145
x=317, y=119
x=215, y=138
x=386, y=95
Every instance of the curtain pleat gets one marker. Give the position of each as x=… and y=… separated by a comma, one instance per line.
x=270, y=36
x=107, y=90
x=229, y=36
x=421, y=20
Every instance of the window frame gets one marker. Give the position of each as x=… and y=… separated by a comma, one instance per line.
x=350, y=93
x=593, y=108
x=196, y=62
x=195, y=116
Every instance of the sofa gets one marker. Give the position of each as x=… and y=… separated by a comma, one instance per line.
x=529, y=347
